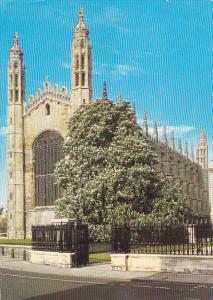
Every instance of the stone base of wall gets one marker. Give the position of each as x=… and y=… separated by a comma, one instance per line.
x=18, y=250
x=56, y=259
x=162, y=263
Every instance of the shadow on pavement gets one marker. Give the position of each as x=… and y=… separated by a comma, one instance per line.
x=147, y=290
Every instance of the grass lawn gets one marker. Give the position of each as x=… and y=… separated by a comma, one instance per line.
x=99, y=257
x=15, y=242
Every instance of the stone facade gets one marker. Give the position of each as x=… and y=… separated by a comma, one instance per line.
x=30, y=176
x=176, y=163
x=49, y=110
x=211, y=187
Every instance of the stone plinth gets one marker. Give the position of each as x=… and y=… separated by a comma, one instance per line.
x=119, y=262
x=56, y=259
x=162, y=263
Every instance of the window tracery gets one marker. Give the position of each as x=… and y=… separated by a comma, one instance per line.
x=47, y=152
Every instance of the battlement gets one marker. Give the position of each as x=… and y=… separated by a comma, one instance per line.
x=50, y=92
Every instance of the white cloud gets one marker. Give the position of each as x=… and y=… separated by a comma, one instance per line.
x=3, y=131
x=66, y=65
x=99, y=69
x=125, y=69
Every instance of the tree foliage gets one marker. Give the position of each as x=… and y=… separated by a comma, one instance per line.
x=108, y=171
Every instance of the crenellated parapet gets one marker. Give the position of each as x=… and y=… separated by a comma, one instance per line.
x=49, y=92
x=179, y=163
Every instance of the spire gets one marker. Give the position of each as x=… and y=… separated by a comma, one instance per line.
x=81, y=28
x=202, y=150
x=192, y=153
x=179, y=146
x=120, y=97
x=80, y=15
x=15, y=39
x=155, y=134
x=104, y=95
x=202, y=137
x=145, y=124
x=133, y=110
x=16, y=50
x=172, y=140
x=81, y=52
x=16, y=72
x=46, y=84
x=164, y=136
x=186, y=149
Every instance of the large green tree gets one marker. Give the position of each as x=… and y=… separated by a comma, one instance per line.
x=108, y=171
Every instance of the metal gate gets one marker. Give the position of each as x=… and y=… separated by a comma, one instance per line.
x=99, y=252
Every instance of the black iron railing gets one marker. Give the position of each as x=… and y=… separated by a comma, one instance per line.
x=180, y=239
x=58, y=238
x=64, y=237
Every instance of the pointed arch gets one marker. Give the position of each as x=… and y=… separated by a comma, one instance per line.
x=47, y=152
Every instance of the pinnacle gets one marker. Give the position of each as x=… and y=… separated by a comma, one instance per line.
x=120, y=97
x=180, y=146
x=155, y=133
x=81, y=14
x=173, y=140
x=164, y=135
x=202, y=135
x=186, y=149
x=145, y=124
x=15, y=38
x=104, y=96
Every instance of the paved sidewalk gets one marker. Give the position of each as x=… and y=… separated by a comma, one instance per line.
x=103, y=272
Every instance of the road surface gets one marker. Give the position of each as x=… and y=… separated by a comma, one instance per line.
x=19, y=285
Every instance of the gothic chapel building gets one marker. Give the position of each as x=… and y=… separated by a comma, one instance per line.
x=37, y=129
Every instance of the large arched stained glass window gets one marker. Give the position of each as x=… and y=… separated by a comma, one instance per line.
x=47, y=152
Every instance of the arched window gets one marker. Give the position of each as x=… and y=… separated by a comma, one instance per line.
x=47, y=152
x=47, y=109
x=82, y=62
x=83, y=79
x=16, y=64
x=76, y=79
x=76, y=61
x=16, y=80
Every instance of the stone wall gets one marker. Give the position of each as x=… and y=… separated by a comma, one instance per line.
x=162, y=263
x=35, y=122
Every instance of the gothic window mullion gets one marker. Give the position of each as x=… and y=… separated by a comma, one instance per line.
x=48, y=171
x=47, y=151
x=40, y=160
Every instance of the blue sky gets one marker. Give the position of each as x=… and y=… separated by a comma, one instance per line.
x=157, y=53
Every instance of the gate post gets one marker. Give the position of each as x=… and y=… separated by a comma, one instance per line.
x=76, y=261
x=120, y=239
x=81, y=244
